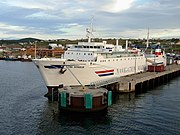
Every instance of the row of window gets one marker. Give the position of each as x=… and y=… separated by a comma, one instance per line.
x=87, y=60
x=79, y=53
x=95, y=47
x=119, y=59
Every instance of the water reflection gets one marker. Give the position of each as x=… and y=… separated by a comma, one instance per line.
x=130, y=113
x=123, y=97
x=54, y=121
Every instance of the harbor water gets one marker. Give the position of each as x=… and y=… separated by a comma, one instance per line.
x=25, y=110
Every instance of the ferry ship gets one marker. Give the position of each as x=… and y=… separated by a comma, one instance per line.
x=91, y=63
x=158, y=57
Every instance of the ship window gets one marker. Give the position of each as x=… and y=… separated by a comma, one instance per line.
x=95, y=46
x=75, y=46
x=116, y=59
x=87, y=46
x=109, y=60
x=72, y=53
x=91, y=53
x=79, y=46
x=98, y=47
x=84, y=53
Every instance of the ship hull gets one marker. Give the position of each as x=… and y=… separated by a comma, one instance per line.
x=57, y=72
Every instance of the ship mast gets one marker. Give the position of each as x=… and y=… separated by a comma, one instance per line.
x=35, y=50
x=147, y=44
x=89, y=31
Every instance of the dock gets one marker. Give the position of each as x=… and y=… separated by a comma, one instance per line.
x=131, y=83
x=144, y=80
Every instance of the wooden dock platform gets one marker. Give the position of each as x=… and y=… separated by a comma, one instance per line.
x=144, y=80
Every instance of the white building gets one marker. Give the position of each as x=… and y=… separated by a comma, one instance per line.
x=54, y=45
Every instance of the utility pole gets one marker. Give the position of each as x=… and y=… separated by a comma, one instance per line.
x=35, y=50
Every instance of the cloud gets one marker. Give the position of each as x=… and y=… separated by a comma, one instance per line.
x=154, y=33
x=29, y=4
x=112, y=18
x=12, y=31
x=41, y=15
x=117, y=5
x=10, y=27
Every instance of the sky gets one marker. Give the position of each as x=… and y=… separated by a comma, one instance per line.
x=69, y=19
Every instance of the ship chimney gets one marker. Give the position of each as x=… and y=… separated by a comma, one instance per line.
x=158, y=50
x=117, y=42
x=126, y=45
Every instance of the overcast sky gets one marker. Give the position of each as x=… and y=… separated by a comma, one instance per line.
x=57, y=19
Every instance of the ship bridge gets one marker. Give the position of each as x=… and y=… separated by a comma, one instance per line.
x=85, y=51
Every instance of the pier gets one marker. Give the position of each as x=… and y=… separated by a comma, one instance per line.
x=145, y=80
x=132, y=83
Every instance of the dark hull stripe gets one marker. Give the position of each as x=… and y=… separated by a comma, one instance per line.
x=105, y=74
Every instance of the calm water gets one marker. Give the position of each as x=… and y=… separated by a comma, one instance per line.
x=24, y=109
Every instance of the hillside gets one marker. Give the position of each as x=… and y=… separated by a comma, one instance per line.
x=29, y=40
x=24, y=40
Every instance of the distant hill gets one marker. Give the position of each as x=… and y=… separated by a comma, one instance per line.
x=24, y=40
x=29, y=40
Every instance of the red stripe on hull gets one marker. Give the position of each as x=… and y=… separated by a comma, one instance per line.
x=105, y=71
x=157, y=53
